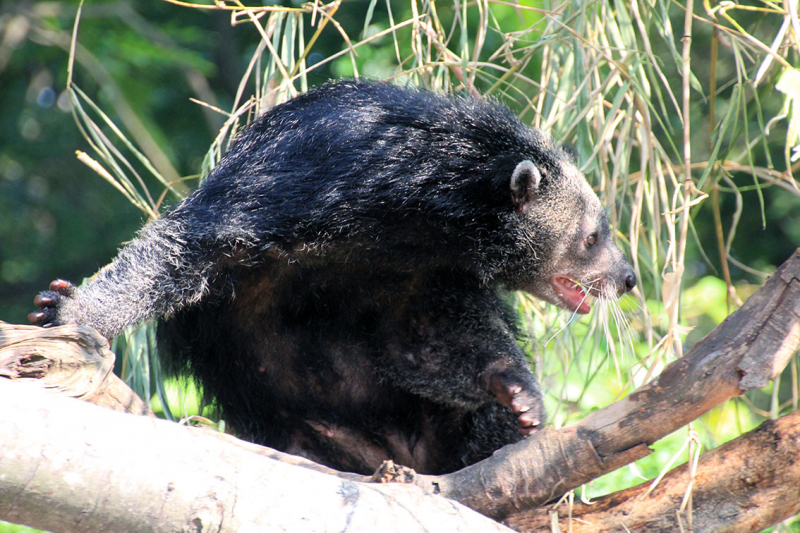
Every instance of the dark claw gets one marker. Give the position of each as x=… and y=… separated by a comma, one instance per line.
x=62, y=287
x=49, y=301
x=528, y=423
x=36, y=317
x=42, y=318
x=517, y=405
x=42, y=300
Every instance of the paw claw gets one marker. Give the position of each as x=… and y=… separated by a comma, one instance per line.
x=524, y=401
x=49, y=303
x=528, y=425
x=43, y=300
x=62, y=287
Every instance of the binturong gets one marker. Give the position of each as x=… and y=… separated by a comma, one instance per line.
x=336, y=284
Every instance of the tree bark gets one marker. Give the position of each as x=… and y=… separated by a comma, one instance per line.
x=745, y=485
x=73, y=360
x=68, y=466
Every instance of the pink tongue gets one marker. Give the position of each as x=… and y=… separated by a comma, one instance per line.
x=573, y=296
x=584, y=307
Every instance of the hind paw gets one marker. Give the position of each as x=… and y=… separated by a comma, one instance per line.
x=48, y=303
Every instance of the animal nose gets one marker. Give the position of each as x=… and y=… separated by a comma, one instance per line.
x=630, y=281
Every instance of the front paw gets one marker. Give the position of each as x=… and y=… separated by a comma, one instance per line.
x=49, y=303
x=523, y=397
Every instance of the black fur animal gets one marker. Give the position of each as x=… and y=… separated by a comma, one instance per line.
x=335, y=283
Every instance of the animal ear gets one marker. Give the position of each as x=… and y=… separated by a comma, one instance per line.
x=524, y=185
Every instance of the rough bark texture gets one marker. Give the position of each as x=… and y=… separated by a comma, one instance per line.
x=745, y=485
x=749, y=348
x=68, y=466
x=73, y=360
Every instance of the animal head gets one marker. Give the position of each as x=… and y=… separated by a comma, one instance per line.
x=563, y=225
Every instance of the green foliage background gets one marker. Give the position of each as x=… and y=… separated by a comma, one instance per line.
x=605, y=77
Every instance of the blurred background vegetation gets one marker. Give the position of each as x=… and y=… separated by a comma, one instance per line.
x=605, y=77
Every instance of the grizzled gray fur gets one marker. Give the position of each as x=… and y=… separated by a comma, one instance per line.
x=335, y=285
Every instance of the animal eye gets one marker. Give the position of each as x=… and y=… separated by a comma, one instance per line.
x=591, y=239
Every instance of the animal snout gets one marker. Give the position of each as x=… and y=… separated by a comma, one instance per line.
x=626, y=280
x=630, y=281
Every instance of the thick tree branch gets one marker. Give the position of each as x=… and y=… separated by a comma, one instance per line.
x=76, y=361
x=743, y=486
x=68, y=466
x=747, y=350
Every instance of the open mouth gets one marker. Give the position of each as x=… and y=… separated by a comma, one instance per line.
x=572, y=295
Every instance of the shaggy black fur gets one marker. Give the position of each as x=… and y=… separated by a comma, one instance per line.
x=335, y=283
